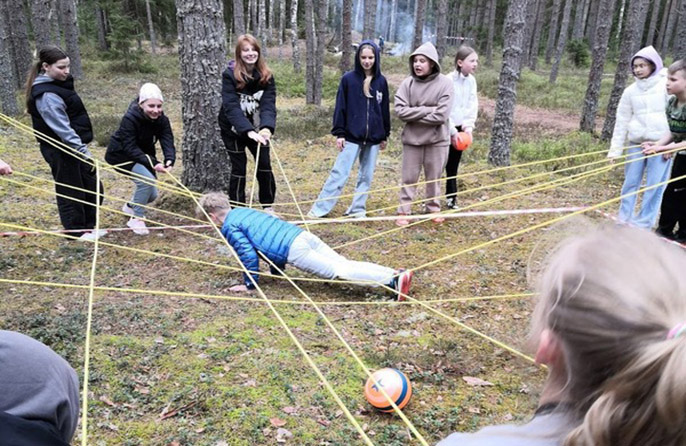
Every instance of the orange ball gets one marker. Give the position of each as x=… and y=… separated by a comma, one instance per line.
x=464, y=141
x=394, y=383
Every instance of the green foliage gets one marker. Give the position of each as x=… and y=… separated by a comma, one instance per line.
x=579, y=53
x=104, y=126
x=570, y=144
x=305, y=123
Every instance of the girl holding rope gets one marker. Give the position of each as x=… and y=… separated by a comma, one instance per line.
x=612, y=332
x=248, y=118
x=58, y=113
x=132, y=149
x=361, y=124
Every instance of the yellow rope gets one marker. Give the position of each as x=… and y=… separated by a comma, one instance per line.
x=290, y=333
x=254, y=177
x=288, y=184
x=89, y=322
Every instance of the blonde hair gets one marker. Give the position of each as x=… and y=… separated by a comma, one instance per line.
x=211, y=203
x=610, y=298
x=679, y=65
x=240, y=71
x=367, y=83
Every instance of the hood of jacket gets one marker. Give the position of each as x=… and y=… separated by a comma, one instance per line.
x=429, y=50
x=651, y=54
x=377, y=60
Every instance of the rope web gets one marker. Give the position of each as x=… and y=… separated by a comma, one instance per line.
x=200, y=232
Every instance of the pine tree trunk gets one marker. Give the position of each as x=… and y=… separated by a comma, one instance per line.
x=602, y=36
x=310, y=51
x=578, y=28
x=592, y=21
x=441, y=25
x=41, y=17
x=270, y=24
x=499, y=153
x=680, y=39
x=8, y=82
x=654, y=14
x=561, y=41
x=535, y=49
x=202, y=52
x=103, y=45
x=282, y=25
x=369, y=15
x=663, y=25
x=666, y=44
x=71, y=36
x=528, y=32
x=294, y=36
x=320, y=30
x=19, y=45
x=418, y=37
x=630, y=43
x=259, y=21
x=552, y=30
x=346, y=37
x=151, y=28
x=238, y=18
x=491, y=31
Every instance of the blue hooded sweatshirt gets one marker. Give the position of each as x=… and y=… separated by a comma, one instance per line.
x=357, y=118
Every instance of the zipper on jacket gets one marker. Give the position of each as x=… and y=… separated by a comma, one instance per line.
x=366, y=131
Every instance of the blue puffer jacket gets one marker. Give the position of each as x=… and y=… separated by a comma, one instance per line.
x=357, y=118
x=249, y=231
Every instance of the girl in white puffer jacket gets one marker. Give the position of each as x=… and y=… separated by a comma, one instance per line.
x=641, y=117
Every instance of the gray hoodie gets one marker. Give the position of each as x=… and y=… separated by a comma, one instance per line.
x=424, y=103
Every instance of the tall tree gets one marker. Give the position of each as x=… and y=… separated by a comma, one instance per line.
x=592, y=21
x=630, y=42
x=680, y=39
x=491, y=31
x=666, y=43
x=552, y=30
x=238, y=18
x=260, y=13
x=499, y=153
x=70, y=29
x=101, y=25
x=320, y=30
x=441, y=25
x=202, y=52
x=561, y=41
x=654, y=14
x=294, y=36
x=346, y=37
x=602, y=36
x=42, y=14
x=392, y=25
x=536, y=37
x=528, y=31
x=369, y=19
x=151, y=28
x=282, y=25
x=8, y=82
x=579, y=19
x=419, y=18
x=663, y=24
x=19, y=45
x=310, y=52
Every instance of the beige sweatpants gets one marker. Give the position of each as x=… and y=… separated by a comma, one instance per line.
x=432, y=158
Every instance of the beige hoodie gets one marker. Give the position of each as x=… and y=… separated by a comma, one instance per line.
x=424, y=104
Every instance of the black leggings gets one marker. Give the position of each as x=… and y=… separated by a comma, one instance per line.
x=239, y=160
x=72, y=171
x=673, y=209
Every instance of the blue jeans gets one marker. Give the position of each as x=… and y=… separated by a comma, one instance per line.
x=339, y=175
x=656, y=169
x=145, y=192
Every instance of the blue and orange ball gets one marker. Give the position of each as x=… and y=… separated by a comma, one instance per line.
x=394, y=383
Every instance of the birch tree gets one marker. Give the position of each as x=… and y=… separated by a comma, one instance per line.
x=600, y=40
x=202, y=53
x=499, y=153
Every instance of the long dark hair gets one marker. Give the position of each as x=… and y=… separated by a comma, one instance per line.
x=49, y=55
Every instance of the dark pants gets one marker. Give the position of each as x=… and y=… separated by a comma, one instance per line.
x=239, y=159
x=673, y=209
x=71, y=171
x=454, y=157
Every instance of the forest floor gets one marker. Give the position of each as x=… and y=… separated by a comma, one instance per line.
x=176, y=359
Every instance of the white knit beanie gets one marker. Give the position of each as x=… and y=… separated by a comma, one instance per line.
x=149, y=91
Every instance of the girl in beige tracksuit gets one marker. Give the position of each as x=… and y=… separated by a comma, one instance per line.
x=423, y=101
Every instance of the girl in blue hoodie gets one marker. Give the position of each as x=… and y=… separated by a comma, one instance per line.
x=361, y=125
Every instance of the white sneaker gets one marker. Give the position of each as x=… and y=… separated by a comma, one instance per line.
x=127, y=209
x=269, y=210
x=93, y=235
x=311, y=214
x=138, y=226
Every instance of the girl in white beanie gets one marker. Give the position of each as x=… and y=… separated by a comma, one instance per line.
x=132, y=149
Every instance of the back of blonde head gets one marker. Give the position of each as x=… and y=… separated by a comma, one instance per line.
x=212, y=202
x=611, y=297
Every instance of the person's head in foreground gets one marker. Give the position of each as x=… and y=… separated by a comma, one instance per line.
x=216, y=205
x=610, y=325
